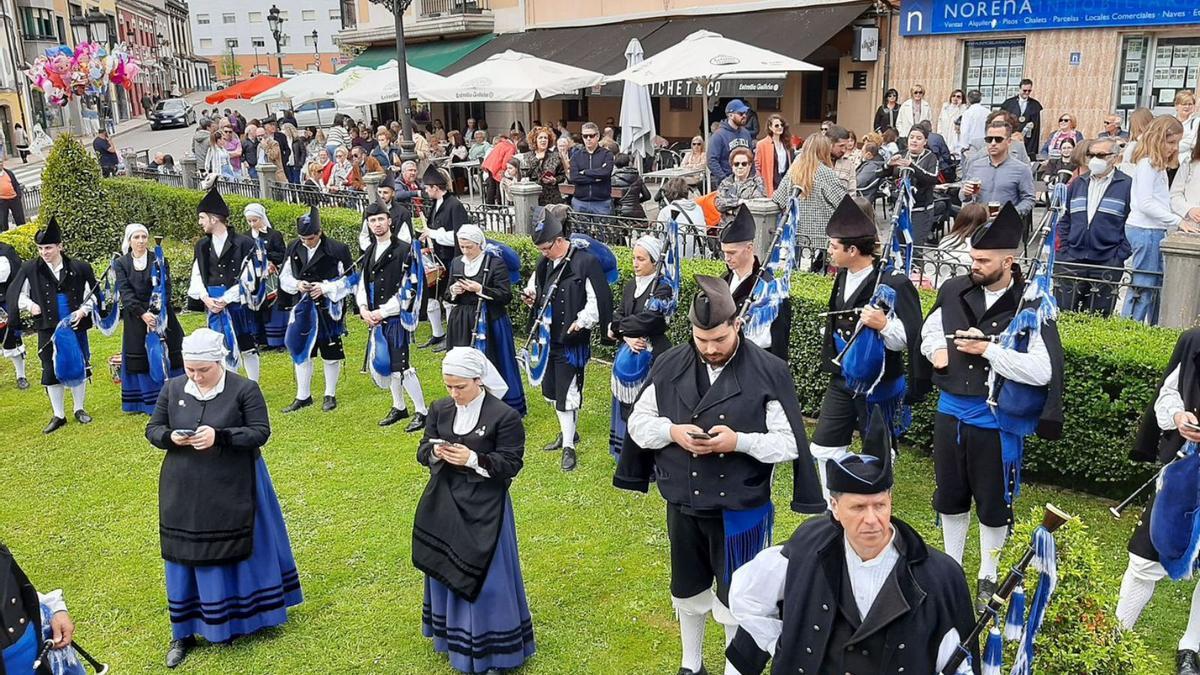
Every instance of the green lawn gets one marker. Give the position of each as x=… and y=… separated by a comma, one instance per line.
x=80, y=512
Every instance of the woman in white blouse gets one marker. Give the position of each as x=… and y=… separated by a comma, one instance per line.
x=1185, y=192
x=1150, y=215
x=951, y=111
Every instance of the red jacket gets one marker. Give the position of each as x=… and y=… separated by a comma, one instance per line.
x=498, y=157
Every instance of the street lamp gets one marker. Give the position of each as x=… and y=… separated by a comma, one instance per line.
x=316, y=51
x=164, y=62
x=397, y=9
x=276, y=23
x=233, y=68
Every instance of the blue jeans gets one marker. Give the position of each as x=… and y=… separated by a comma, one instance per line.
x=1141, y=304
x=601, y=208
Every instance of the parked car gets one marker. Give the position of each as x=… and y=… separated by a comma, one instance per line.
x=321, y=113
x=172, y=112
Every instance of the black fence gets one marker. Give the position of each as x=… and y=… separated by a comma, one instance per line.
x=493, y=218
x=172, y=178
x=243, y=188
x=313, y=196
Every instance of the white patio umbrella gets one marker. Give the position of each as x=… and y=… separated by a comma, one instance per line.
x=383, y=86
x=513, y=76
x=705, y=56
x=637, y=113
x=298, y=86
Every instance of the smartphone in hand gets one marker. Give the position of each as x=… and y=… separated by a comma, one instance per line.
x=186, y=433
x=700, y=435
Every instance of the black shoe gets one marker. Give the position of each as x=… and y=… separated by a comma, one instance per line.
x=22, y=383
x=56, y=423
x=329, y=404
x=984, y=590
x=82, y=417
x=1186, y=663
x=442, y=346
x=434, y=341
x=417, y=423
x=393, y=416
x=568, y=459
x=178, y=651
x=297, y=404
x=689, y=671
x=557, y=443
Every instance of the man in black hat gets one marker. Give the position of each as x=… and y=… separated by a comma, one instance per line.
x=219, y=261
x=401, y=216
x=385, y=263
x=711, y=423
x=444, y=214
x=853, y=240
x=10, y=331
x=285, y=146
x=581, y=301
x=737, y=247
x=317, y=265
x=857, y=591
x=968, y=458
x=52, y=288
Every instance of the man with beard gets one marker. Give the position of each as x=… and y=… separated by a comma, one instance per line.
x=972, y=453
x=399, y=213
x=713, y=420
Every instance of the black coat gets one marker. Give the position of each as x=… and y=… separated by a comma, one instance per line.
x=330, y=260
x=571, y=294
x=908, y=311
x=8, y=337
x=925, y=597
x=460, y=514
x=493, y=276
x=206, y=498
x=44, y=289
x=632, y=319
x=886, y=117
x=738, y=398
x=1152, y=442
x=135, y=288
x=924, y=176
x=220, y=270
x=962, y=304
x=1033, y=114
x=449, y=215
x=629, y=205
x=783, y=321
x=276, y=247
x=19, y=608
x=386, y=273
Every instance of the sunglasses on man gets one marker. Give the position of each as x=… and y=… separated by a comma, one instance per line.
x=992, y=140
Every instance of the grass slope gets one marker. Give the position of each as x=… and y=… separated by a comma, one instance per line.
x=80, y=513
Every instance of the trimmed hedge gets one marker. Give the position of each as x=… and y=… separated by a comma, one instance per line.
x=70, y=189
x=21, y=239
x=1112, y=366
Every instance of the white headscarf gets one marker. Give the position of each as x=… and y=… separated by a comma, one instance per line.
x=471, y=363
x=130, y=230
x=204, y=344
x=472, y=233
x=652, y=246
x=256, y=209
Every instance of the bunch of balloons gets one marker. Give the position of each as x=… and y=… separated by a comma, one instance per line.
x=87, y=70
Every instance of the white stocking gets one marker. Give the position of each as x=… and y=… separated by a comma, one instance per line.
x=333, y=371
x=413, y=386
x=954, y=534
x=566, y=422
x=253, y=365
x=434, y=311
x=58, y=399
x=397, y=388
x=19, y=365
x=1191, y=637
x=1137, y=587
x=991, y=544
x=304, y=376
x=693, y=614
x=79, y=395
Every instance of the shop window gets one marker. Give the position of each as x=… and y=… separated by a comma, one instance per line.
x=771, y=104
x=1135, y=52
x=679, y=103
x=576, y=109
x=1175, y=66
x=995, y=68
x=812, y=88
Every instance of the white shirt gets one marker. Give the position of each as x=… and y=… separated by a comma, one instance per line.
x=895, y=337
x=5, y=270
x=388, y=308
x=197, y=290
x=1169, y=402
x=335, y=291
x=1150, y=199
x=757, y=590
x=973, y=126
x=465, y=419
x=1096, y=188
x=868, y=576
x=589, y=316
x=1031, y=367
x=192, y=390
x=653, y=432
x=640, y=284
x=139, y=263
x=440, y=235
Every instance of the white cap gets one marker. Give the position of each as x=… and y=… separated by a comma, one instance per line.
x=472, y=364
x=204, y=344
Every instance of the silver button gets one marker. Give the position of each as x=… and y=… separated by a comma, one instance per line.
x=720, y=417
x=722, y=494
x=694, y=474
x=901, y=645
x=10, y=630
x=14, y=601
x=721, y=476
x=825, y=607
x=816, y=628
x=696, y=492
x=22, y=621
x=970, y=366
x=808, y=650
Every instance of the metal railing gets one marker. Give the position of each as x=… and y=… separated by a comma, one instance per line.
x=615, y=230
x=31, y=201
x=492, y=218
x=433, y=8
x=312, y=196
x=172, y=178
x=244, y=188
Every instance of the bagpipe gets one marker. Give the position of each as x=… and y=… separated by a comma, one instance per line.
x=491, y=250
x=1175, y=518
x=304, y=322
x=535, y=354
x=160, y=300
x=410, y=295
x=255, y=280
x=761, y=307
x=68, y=356
x=1042, y=554
x=630, y=369
x=63, y=661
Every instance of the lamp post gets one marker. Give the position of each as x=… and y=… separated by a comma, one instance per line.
x=276, y=23
x=233, y=69
x=316, y=51
x=397, y=8
x=164, y=63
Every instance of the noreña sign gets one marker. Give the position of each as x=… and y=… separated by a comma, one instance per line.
x=945, y=17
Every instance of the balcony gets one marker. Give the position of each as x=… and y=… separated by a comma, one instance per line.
x=426, y=20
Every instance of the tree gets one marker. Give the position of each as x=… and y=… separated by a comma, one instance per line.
x=73, y=195
x=230, y=67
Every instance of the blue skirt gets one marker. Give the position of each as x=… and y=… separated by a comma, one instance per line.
x=503, y=355
x=139, y=393
x=495, y=631
x=221, y=602
x=274, y=325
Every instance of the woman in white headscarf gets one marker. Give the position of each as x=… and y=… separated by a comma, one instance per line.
x=148, y=357
x=478, y=276
x=464, y=539
x=639, y=326
x=272, y=322
x=229, y=564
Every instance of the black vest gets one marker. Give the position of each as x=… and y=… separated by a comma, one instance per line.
x=19, y=607
x=44, y=289
x=571, y=295
x=222, y=270
x=844, y=324
x=320, y=265
x=387, y=273
x=962, y=305
x=738, y=398
x=136, y=286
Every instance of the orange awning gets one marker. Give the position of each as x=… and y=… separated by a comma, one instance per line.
x=247, y=89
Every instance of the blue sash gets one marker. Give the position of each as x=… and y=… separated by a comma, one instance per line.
x=71, y=351
x=747, y=533
x=974, y=410
x=19, y=656
x=222, y=322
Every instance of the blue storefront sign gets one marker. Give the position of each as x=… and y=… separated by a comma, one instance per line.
x=943, y=17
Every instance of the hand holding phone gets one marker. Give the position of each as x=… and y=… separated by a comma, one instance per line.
x=699, y=435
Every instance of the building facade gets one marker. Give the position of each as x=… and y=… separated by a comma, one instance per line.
x=1086, y=59
x=235, y=36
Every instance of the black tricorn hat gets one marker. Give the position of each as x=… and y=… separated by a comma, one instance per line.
x=740, y=229
x=52, y=234
x=213, y=204
x=388, y=181
x=849, y=221
x=434, y=177
x=310, y=223
x=713, y=305
x=374, y=209
x=551, y=223
x=869, y=472
x=1003, y=233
